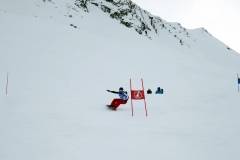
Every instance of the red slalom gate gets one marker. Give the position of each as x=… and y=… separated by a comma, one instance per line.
x=137, y=95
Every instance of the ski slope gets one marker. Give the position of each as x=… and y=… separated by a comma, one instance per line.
x=58, y=77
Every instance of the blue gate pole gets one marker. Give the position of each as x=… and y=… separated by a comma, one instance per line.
x=238, y=83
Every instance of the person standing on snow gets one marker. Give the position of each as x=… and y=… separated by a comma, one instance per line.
x=159, y=91
x=117, y=101
x=149, y=91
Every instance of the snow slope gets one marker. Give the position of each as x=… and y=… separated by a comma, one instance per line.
x=58, y=74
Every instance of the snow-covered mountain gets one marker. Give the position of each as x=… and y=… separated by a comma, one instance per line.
x=132, y=16
x=126, y=12
x=58, y=58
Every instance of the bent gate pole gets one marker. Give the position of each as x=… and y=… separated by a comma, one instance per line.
x=144, y=99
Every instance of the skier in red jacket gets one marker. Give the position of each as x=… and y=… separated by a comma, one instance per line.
x=117, y=101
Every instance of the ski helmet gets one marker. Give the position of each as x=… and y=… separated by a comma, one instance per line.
x=120, y=89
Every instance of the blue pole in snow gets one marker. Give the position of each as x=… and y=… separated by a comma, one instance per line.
x=238, y=82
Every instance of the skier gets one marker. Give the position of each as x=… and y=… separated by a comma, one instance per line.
x=116, y=102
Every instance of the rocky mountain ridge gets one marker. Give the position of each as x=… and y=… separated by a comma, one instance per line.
x=132, y=16
x=125, y=12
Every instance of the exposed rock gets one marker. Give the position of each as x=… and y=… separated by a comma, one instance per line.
x=132, y=16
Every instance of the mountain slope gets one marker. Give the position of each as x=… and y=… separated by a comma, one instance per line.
x=124, y=11
x=74, y=14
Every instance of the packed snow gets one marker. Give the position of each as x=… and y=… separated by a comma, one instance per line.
x=58, y=75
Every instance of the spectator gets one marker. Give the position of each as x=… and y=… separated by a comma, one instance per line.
x=149, y=91
x=159, y=91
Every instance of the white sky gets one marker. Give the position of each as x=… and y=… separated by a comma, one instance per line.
x=220, y=17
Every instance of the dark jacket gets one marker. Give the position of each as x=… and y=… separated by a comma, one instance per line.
x=149, y=91
x=159, y=91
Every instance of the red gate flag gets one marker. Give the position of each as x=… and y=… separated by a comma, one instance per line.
x=137, y=95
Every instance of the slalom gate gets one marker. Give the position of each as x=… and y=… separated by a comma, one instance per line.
x=138, y=95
